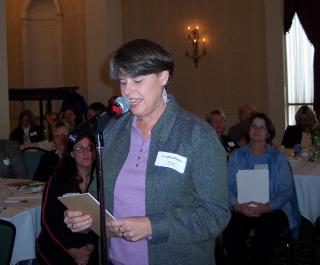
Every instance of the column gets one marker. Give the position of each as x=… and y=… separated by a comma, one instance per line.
x=103, y=36
x=4, y=98
x=275, y=66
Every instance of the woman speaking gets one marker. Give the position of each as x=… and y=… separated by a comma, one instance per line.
x=164, y=169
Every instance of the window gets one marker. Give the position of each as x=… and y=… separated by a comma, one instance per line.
x=299, y=69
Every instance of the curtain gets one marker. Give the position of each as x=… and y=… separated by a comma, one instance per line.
x=308, y=12
x=299, y=60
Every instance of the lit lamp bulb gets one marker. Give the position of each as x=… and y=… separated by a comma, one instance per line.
x=204, y=44
x=197, y=32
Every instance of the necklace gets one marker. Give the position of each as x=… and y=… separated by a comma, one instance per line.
x=145, y=124
x=140, y=152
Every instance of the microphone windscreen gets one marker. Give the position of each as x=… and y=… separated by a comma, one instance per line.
x=124, y=103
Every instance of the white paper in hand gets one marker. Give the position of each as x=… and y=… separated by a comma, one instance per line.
x=253, y=185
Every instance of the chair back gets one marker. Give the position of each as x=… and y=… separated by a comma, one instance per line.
x=32, y=157
x=7, y=237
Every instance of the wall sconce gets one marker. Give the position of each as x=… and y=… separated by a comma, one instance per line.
x=196, y=54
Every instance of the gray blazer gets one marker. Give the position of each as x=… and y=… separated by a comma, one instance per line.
x=187, y=210
x=12, y=164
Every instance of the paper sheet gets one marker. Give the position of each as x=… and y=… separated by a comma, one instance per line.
x=253, y=185
x=85, y=203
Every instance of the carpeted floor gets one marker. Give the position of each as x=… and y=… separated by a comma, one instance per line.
x=305, y=251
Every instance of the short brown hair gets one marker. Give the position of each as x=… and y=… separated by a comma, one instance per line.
x=140, y=57
x=270, y=128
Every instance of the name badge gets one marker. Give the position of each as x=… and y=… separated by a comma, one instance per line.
x=261, y=166
x=33, y=133
x=173, y=161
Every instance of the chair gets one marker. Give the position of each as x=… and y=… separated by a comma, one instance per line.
x=8, y=234
x=315, y=234
x=286, y=241
x=32, y=157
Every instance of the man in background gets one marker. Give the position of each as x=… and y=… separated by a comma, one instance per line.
x=238, y=132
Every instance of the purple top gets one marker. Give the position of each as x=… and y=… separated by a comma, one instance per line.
x=129, y=200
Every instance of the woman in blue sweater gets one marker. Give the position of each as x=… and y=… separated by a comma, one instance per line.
x=269, y=219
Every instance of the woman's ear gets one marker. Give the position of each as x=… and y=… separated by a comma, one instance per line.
x=164, y=77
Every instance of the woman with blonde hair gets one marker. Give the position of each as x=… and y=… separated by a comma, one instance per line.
x=301, y=133
x=217, y=120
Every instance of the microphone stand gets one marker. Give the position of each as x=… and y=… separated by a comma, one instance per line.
x=97, y=125
x=100, y=188
x=100, y=125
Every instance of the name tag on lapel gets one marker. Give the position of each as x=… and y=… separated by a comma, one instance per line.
x=33, y=133
x=171, y=160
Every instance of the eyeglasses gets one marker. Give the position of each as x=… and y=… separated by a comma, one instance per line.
x=260, y=128
x=82, y=150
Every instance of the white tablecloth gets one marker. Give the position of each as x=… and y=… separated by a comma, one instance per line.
x=307, y=181
x=24, y=211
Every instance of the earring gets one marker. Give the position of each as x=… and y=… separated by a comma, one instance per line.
x=165, y=96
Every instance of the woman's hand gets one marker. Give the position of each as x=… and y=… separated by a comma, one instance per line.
x=242, y=208
x=252, y=209
x=81, y=255
x=76, y=221
x=258, y=209
x=130, y=228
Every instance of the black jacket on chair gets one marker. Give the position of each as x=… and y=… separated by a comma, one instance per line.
x=12, y=164
x=46, y=167
x=292, y=136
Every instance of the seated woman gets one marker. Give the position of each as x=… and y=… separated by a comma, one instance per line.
x=301, y=133
x=69, y=115
x=51, y=159
x=269, y=219
x=27, y=131
x=94, y=109
x=56, y=244
x=217, y=120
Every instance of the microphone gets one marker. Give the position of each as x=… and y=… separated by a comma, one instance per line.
x=97, y=123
